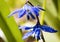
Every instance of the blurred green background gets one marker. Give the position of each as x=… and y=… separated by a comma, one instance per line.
x=9, y=26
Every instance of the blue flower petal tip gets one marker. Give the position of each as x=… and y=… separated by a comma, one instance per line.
x=41, y=8
x=13, y=12
x=48, y=29
x=28, y=34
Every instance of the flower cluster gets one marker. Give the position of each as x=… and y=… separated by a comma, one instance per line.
x=37, y=30
x=29, y=10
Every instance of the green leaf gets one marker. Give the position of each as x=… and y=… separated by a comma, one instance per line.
x=51, y=7
x=56, y=4
x=59, y=9
x=11, y=3
x=8, y=25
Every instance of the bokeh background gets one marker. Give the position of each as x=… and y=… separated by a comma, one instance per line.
x=9, y=31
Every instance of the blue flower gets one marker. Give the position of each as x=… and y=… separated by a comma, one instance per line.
x=37, y=30
x=28, y=10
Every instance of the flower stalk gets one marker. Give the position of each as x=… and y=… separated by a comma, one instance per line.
x=41, y=31
x=42, y=18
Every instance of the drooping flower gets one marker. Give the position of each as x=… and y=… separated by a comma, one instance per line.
x=27, y=9
x=37, y=30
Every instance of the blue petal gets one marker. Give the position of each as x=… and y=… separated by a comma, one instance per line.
x=25, y=28
x=37, y=33
x=21, y=13
x=28, y=17
x=26, y=6
x=31, y=15
x=37, y=25
x=28, y=34
x=48, y=29
x=14, y=12
x=36, y=11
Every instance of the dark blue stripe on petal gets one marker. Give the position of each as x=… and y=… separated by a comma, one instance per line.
x=48, y=29
x=37, y=25
x=28, y=17
x=31, y=15
x=37, y=34
x=25, y=28
x=38, y=37
x=36, y=11
x=21, y=13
